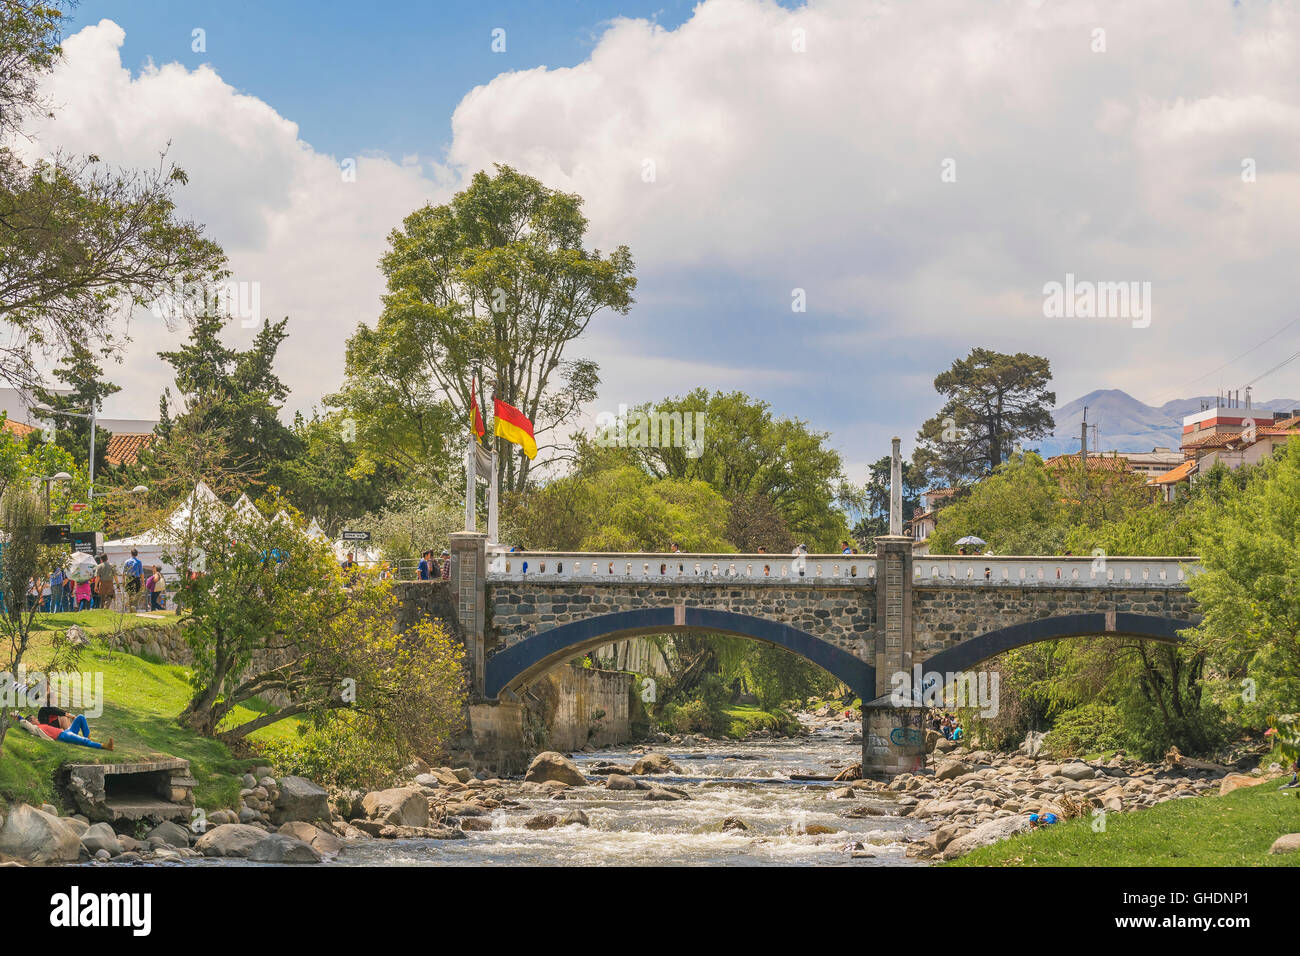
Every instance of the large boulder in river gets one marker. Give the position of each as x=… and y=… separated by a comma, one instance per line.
x=655, y=763
x=326, y=844
x=950, y=769
x=300, y=799
x=282, y=848
x=986, y=834
x=30, y=835
x=230, y=839
x=550, y=765
x=101, y=837
x=401, y=806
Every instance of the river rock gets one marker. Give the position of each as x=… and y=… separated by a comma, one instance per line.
x=734, y=823
x=230, y=839
x=950, y=769
x=35, y=836
x=326, y=844
x=986, y=834
x=543, y=821
x=1235, y=781
x=943, y=745
x=1286, y=843
x=1078, y=771
x=550, y=765
x=666, y=793
x=575, y=817
x=1032, y=745
x=283, y=848
x=653, y=763
x=843, y=793
x=470, y=824
x=221, y=817
x=170, y=834
x=300, y=800
x=390, y=832
x=101, y=838
x=401, y=806
x=616, y=781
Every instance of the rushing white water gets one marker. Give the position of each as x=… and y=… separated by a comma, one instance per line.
x=749, y=780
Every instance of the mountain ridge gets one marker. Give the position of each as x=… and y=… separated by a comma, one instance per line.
x=1125, y=423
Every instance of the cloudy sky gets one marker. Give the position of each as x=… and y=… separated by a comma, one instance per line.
x=916, y=171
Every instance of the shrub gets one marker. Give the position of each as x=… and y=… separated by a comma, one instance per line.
x=1086, y=729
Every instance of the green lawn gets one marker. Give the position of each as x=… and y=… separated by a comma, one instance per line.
x=141, y=701
x=1234, y=830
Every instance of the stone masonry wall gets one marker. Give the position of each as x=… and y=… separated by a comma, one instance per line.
x=946, y=616
x=842, y=616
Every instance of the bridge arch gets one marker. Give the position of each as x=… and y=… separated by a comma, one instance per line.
x=968, y=654
x=520, y=663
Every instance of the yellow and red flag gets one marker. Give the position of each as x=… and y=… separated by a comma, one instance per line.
x=514, y=426
x=476, y=419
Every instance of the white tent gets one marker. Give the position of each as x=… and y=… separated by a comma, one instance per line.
x=202, y=501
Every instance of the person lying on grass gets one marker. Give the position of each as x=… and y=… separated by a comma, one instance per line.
x=68, y=730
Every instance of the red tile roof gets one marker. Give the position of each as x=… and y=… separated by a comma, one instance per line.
x=18, y=429
x=1095, y=462
x=125, y=448
x=1181, y=473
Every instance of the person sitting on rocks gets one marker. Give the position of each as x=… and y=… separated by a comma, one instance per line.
x=71, y=730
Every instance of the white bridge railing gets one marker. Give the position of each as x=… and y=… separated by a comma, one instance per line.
x=839, y=569
x=1048, y=571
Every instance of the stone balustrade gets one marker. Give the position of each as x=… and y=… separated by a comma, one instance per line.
x=841, y=569
x=1049, y=571
x=596, y=568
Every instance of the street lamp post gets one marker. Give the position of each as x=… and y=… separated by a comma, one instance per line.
x=61, y=476
x=90, y=493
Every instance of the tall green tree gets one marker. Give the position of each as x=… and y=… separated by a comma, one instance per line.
x=80, y=243
x=1249, y=592
x=236, y=392
x=496, y=280
x=992, y=403
x=740, y=450
x=86, y=387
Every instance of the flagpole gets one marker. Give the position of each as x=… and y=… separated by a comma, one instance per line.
x=492, y=497
x=469, y=481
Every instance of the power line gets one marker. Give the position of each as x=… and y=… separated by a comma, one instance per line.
x=1175, y=392
x=1279, y=365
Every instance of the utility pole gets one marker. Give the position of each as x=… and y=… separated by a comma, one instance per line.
x=1083, y=455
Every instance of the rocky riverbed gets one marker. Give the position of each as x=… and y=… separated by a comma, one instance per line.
x=682, y=799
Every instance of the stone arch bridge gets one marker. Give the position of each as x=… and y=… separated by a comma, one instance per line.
x=871, y=620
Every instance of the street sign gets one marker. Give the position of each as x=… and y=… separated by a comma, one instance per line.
x=87, y=542
x=55, y=534
x=356, y=535
x=78, y=506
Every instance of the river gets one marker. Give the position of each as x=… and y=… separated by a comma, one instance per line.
x=750, y=780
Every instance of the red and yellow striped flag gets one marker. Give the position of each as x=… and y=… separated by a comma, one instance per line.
x=514, y=426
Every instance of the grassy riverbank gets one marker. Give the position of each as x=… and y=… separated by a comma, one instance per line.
x=141, y=701
x=1233, y=830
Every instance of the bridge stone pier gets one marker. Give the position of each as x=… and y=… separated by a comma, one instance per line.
x=875, y=621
